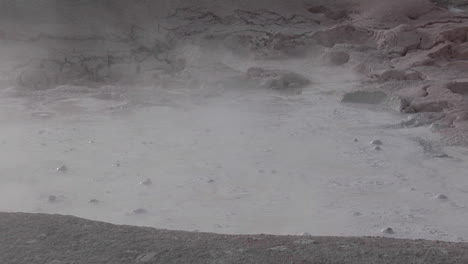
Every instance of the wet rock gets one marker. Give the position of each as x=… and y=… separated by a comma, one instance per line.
x=62, y=168
x=441, y=197
x=422, y=119
x=279, y=80
x=392, y=75
x=400, y=104
x=400, y=75
x=286, y=82
x=52, y=199
x=459, y=87
x=427, y=105
x=455, y=10
x=268, y=45
x=364, y=97
x=260, y=73
x=457, y=35
x=411, y=93
x=317, y=9
x=389, y=12
x=430, y=148
x=387, y=230
x=146, y=182
x=362, y=68
x=336, y=58
x=43, y=115
x=344, y=34
x=139, y=211
x=399, y=40
x=334, y=14
x=94, y=201
x=442, y=156
x=413, y=75
x=441, y=52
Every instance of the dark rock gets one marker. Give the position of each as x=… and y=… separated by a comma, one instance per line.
x=364, y=97
x=278, y=80
x=388, y=230
x=336, y=58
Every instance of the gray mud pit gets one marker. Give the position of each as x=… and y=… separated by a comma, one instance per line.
x=163, y=128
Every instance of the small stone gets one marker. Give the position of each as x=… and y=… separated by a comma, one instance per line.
x=62, y=168
x=442, y=156
x=94, y=201
x=117, y=164
x=279, y=248
x=91, y=142
x=388, y=230
x=376, y=142
x=356, y=140
x=146, y=182
x=305, y=242
x=147, y=257
x=52, y=199
x=211, y=181
x=441, y=197
x=357, y=214
x=31, y=241
x=140, y=211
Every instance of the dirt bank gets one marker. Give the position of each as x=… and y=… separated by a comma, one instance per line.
x=54, y=239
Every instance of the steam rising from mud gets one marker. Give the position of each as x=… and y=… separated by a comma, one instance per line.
x=225, y=116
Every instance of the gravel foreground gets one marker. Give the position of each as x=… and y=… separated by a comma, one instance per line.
x=56, y=239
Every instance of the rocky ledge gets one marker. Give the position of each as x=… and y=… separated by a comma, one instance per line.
x=56, y=239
